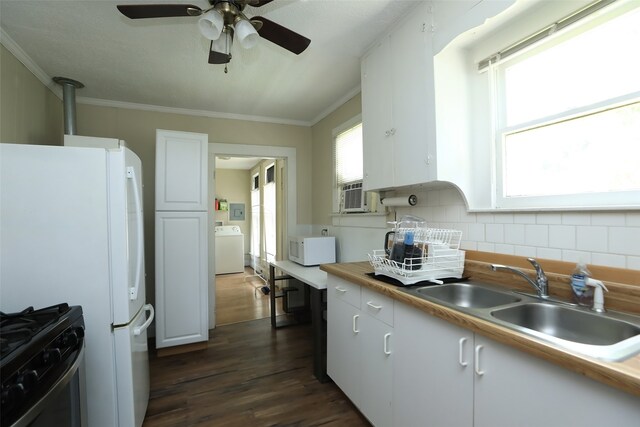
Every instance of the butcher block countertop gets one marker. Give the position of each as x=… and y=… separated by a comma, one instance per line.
x=623, y=375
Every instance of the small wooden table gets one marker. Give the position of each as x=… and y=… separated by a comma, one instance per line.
x=316, y=280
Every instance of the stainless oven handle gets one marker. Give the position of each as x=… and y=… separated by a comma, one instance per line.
x=52, y=394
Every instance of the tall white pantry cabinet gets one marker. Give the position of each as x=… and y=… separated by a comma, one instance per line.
x=181, y=238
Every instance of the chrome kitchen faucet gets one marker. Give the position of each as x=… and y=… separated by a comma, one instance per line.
x=541, y=284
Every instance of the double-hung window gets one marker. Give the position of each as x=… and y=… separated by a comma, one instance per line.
x=567, y=115
x=347, y=159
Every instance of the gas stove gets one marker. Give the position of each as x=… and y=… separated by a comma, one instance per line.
x=37, y=348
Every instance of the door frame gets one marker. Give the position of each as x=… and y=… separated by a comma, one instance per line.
x=248, y=150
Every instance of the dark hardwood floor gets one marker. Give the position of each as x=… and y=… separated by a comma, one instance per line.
x=249, y=375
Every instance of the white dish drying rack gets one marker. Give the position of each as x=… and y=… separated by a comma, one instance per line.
x=441, y=258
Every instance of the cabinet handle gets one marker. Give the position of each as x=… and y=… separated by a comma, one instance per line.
x=461, y=351
x=372, y=305
x=479, y=372
x=386, y=343
x=341, y=290
x=355, y=323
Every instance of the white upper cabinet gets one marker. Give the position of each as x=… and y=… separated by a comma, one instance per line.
x=181, y=171
x=397, y=105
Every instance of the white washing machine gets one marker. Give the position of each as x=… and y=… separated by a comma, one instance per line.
x=229, y=249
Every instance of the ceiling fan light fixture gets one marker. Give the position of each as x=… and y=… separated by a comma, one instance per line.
x=211, y=24
x=221, y=48
x=246, y=33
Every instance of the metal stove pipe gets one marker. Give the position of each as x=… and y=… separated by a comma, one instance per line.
x=69, y=102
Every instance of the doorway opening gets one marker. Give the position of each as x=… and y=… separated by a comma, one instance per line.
x=252, y=189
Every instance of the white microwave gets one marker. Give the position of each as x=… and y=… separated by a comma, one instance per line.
x=312, y=250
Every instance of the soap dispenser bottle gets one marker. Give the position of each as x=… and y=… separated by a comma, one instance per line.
x=582, y=294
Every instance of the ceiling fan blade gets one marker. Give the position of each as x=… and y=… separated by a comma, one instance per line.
x=282, y=36
x=217, y=57
x=141, y=11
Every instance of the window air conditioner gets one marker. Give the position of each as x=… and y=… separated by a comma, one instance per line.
x=353, y=198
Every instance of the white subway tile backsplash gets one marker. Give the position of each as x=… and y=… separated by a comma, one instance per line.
x=592, y=239
x=505, y=249
x=476, y=232
x=608, y=260
x=632, y=219
x=624, y=240
x=576, y=218
x=514, y=234
x=549, y=218
x=562, y=236
x=548, y=253
x=524, y=218
x=469, y=246
x=576, y=256
x=633, y=263
x=536, y=235
x=452, y=213
x=485, y=218
x=526, y=251
x=486, y=247
x=595, y=237
x=495, y=233
x=504, y=218
x=608, y=218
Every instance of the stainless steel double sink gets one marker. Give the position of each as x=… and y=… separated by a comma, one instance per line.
x=611, y=336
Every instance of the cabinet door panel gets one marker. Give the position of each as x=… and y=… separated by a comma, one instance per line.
x=343, y=351
x=533, y=392
x=412, y=89
x=376, y=370
x=181, y=171
x=431, y=387
x=181, y=278
x=377, y=141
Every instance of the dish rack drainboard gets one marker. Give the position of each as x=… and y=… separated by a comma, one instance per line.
x=441, y=258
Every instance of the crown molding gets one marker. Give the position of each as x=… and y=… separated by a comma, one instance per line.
x=47, y=81
x=26, y=60
x=200, y=113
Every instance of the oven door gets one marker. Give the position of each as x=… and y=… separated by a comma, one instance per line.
x=64, y=404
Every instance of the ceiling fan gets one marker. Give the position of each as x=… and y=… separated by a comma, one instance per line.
x=221, y=21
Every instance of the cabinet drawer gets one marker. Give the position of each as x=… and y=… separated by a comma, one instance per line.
x=377, y=306
x=345, y=291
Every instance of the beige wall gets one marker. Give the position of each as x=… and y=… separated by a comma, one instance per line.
x=234, y=186
x=322, y=152
x=29, y=112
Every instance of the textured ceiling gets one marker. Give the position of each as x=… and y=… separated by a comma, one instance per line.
x=163, y=62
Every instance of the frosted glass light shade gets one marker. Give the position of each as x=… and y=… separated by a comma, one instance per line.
x=247, y=35
x=211, y=24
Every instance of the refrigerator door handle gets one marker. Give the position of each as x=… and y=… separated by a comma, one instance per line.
x=131, y=174
x=140, y=329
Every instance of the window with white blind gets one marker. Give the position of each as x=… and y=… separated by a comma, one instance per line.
x=347, y=156
x=567, y=112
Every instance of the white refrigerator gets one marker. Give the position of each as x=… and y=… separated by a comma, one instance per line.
x=71, y=230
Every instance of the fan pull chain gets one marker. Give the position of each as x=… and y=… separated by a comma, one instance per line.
x=225, y=69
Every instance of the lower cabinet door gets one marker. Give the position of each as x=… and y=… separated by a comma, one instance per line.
x=343, y=346
x=376, y=370
x=433, y=371
x=181, y=278
x=516, y=389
